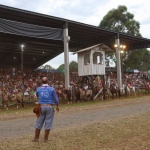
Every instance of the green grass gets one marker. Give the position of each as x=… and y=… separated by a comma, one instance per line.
x=132, y=133
x=27, y=110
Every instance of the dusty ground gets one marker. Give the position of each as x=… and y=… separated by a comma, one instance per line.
x=19, y=125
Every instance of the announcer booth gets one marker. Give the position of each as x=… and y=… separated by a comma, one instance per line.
x=91, y=62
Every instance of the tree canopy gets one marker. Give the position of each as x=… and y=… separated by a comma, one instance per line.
x=121, y=20
x=61, y=67
x=73, y=67
x=48, y=67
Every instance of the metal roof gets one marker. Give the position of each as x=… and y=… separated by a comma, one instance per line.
x=103, y=46
x=38, y=51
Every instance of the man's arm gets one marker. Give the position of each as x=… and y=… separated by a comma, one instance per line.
x=55, y=98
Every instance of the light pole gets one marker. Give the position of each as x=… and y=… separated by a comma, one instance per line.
x=122, y=68
x=119, y=49
x=22, y=46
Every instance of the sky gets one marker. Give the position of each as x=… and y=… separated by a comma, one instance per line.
x=85, y=11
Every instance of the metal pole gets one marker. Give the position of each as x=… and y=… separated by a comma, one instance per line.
x=104, y=86
x=119, y=79
x=22, y=58
x=66, y=55
x=122, y=72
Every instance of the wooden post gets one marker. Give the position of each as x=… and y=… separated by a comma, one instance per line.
x=93, y=90
x=104, y=92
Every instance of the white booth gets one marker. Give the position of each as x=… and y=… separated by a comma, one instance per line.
x=91, y=60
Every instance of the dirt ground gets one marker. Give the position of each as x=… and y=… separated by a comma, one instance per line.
x=11, y=127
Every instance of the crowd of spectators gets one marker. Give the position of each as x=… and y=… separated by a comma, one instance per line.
x=138, y=80
x=15, y=81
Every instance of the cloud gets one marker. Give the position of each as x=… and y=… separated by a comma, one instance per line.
x=12, y=3
x=86, y=11
x=145, y=21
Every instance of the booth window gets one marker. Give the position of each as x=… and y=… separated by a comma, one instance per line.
x=98, y=58
x=87, y=58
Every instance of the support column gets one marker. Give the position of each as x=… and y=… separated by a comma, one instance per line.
x=22, y=46
x=104, y=86
x=66, y=55
x=119, y=79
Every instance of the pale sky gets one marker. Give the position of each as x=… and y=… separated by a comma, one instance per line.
x=85, y=11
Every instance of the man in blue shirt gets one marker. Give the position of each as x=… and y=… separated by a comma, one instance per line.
x=47, y=98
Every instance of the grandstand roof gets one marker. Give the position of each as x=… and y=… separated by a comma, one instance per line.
x=103, y=46
x=16, y=24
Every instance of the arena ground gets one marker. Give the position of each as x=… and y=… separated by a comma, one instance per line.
x=20, y=122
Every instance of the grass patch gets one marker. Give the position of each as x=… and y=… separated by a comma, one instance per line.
x=13, y=112
x=131, y=133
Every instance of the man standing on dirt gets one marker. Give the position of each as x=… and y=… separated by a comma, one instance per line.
x=47, y=98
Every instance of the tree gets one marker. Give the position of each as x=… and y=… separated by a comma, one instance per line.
x=121, y=20
x=41, y=67
x=47, y=67
x=61, y=68
x=73, y=66
x=145, y=65
x=133, y=61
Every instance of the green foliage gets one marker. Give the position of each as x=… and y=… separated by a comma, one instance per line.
x=121, y=20
x=146, y=60
x=48, y=67
x=138, y=59
x=61, y=67
x=73, y=66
